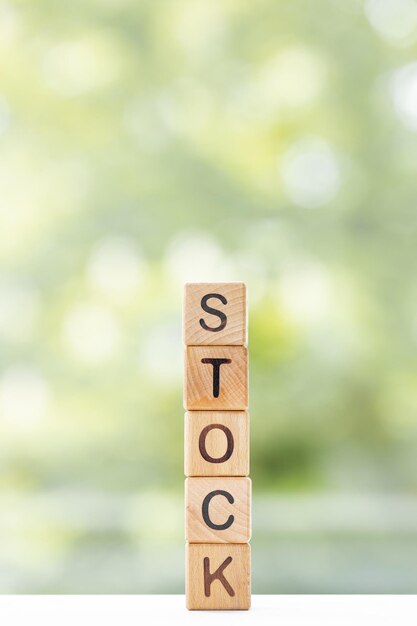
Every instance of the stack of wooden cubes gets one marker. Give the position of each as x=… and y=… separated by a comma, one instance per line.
x=217, y=487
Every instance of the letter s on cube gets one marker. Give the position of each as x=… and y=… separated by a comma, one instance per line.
x=215, y=314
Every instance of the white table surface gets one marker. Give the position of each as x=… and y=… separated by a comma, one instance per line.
x=170, y=609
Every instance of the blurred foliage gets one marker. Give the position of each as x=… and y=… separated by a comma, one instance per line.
x=147, y=143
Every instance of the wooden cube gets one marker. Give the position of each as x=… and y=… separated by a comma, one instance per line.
x=215, y=314
x=217, y=576
x=217, y=510
x=216, y=443
x=216, y=378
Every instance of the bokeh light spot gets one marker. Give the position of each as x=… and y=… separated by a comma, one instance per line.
x=197, y=257
x=293, y=78
x=19, y=311
x=91, y=333
x=73, y=68
x=116, y=269
x=305, y=293
x=24, y=397
x=404, y=93
x=310, y=173
x=161, y=353
x=394, y=20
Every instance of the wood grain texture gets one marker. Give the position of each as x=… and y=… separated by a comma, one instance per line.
x=199, y=378
x=216, y=443
x=217, y=576
x=203, y=326
x=217, y=510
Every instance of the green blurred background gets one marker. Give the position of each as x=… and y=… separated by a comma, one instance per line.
x=148, y=143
